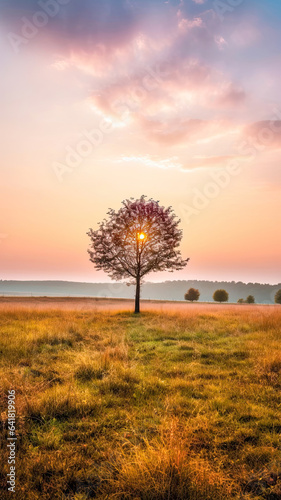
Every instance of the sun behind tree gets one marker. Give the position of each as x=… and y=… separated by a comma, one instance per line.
x=140, y=238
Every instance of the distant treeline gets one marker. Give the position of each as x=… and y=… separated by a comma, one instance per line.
x=168, y=290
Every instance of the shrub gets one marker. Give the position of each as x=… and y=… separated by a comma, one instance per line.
x=192, y=294
x=240, y=301
x=220, y=296
x=278, y=297
x=250, y=299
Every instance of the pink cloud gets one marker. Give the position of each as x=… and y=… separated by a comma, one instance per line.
x=186, y=24
x=170, y=108
x=245, y=34
x=211, y=161
x=221, y=42
x=264, y=134
x=174, y=92
x=231, y=96
x=152, y=161
x=173, y=132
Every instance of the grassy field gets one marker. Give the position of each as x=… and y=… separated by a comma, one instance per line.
x=180, y=402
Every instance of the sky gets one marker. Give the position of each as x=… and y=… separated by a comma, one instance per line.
x=178, y=100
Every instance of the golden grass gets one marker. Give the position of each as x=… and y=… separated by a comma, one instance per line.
x=180, y=402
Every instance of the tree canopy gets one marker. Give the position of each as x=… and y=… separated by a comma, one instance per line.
x=220, y=296
x=250, y=299
x=278, y=297
x=141, y=237
x=192, y=294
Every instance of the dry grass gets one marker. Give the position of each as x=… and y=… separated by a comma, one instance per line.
x=180, y=402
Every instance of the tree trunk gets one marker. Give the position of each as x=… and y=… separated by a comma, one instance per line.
x=137, y=297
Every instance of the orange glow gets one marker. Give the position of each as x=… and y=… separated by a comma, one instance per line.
x=92, y=138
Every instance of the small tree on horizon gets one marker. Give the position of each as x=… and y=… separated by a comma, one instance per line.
x=220, y=296
x=192, y=294
x=140, y=237
x=277, y=297
x=250, y=299
x=240, y=301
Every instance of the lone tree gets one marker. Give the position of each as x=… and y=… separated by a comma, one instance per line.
x=220, y=296
x=240, y=301
x=141, y=237
x=250, y=299
x=278, y=297
x=192, y=294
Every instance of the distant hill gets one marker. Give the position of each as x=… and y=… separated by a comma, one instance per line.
x=168, y=290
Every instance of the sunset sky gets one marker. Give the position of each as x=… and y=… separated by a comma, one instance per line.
x=106, y=100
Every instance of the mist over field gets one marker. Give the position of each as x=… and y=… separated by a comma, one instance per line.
x=169, y=290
